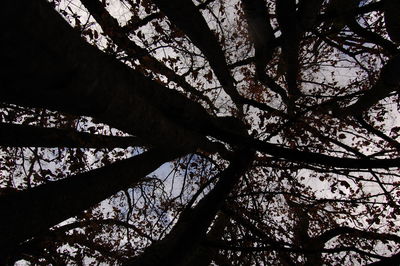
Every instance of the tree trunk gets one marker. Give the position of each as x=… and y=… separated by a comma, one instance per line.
x=28, y=213
x=180, y=245
x=66, y=74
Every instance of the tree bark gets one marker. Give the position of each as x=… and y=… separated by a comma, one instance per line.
x=286, y=16
x=392, y=19
x=196, y=28
x=66, y=74
x=205, y=255
x=27, y=213
x=181, y=244
x=261, y=33
x=307, y=14
x=110, y=26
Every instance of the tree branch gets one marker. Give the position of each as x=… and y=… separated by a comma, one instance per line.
x=13, y=135
x=111, y=27
x=388, y=81
x=196, y=28
x=28, y=213
x=178, y=247
x=286, y=16
x=260, y=32
x=329, y=234
x=79, y=79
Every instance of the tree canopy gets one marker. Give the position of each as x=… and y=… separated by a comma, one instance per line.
x=204, y=132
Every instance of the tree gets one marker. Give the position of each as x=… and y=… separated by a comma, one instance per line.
x=277, y=120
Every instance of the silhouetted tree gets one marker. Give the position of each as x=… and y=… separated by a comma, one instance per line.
x=275, y=121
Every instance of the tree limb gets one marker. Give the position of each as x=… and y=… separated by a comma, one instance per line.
x=28, y=213
x=14, y=135
x=388, y=81
x=196, y=28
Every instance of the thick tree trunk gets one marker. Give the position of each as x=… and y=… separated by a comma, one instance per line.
x=28, y=213
x=180, y=245
x=46, y=64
